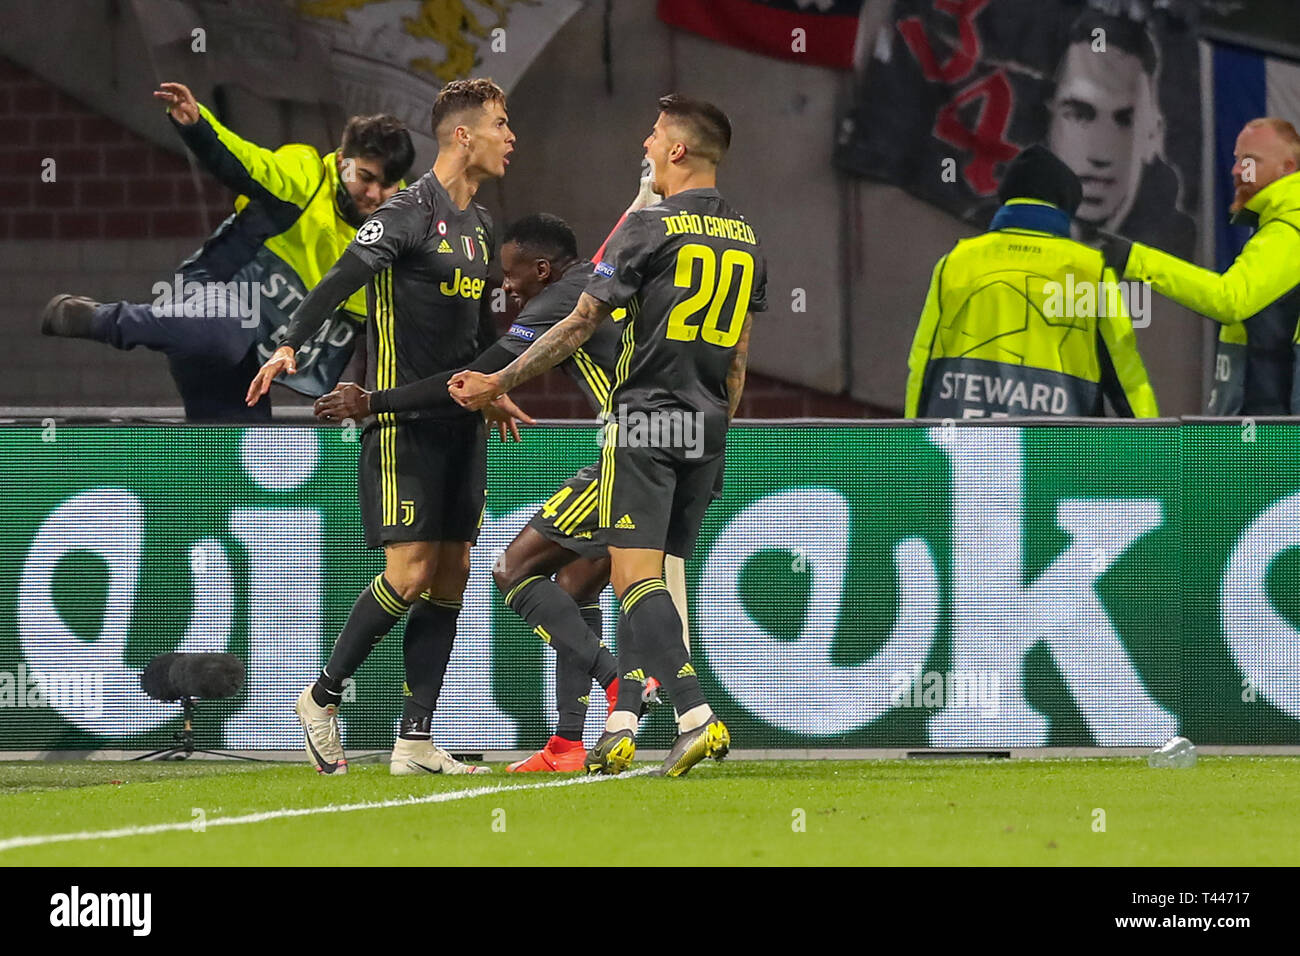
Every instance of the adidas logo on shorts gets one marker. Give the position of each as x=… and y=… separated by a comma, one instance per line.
x=625, y=523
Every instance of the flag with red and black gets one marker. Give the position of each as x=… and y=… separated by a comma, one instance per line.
x=819, y=32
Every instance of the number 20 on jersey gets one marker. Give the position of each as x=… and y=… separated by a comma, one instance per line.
x=710, y=294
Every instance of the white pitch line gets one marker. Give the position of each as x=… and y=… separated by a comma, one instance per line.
x=445, y=796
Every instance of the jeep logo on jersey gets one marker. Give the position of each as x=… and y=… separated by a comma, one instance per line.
x=466, y=286
x=468, y=245
x=371, y=230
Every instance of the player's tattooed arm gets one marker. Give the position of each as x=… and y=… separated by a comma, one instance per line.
x=557, y=344
x=474, y=390
x=736, y=374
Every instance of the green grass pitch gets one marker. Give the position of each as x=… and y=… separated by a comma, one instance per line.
x=1225, y=811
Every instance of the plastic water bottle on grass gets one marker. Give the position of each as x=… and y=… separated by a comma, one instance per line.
x=1179, y=752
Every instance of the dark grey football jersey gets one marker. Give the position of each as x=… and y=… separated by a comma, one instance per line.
x=431, y=262
x=687, y=269
x=592, y=366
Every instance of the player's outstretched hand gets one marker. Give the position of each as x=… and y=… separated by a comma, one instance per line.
x=473, y=390
x=506, y=415
x=347, y=401
x=181, y=104
x=283, y=360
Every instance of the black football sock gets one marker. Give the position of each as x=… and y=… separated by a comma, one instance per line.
x=572, y=694
x=572, y=686
x=631, y=667
x=554, y=617
x=657, y=630
x=594, y=618
x=426, y=649
x=417, y=721
x=373, y=615
x=606, y=666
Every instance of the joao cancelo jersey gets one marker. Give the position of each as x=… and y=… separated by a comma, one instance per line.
x=687, y=269
x=431, y=261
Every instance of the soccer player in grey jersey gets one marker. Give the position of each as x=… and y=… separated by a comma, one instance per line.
x=691, y=272
x=544, y=276
x=422, y=474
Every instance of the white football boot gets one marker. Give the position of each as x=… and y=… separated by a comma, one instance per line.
x=424, y=756
x=321, y=727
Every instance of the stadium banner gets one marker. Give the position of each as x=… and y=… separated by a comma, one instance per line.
x=368, y=56
x=816, y=32
x=860, y=585
x=951, y=90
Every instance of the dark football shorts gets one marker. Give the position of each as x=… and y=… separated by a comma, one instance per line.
x=423, y=481
x=569, y=518
x=654, y=497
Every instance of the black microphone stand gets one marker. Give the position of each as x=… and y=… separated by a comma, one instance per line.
x=185, y=741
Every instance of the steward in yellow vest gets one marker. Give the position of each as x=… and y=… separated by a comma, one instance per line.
x=1023, y=320
x=227, y=306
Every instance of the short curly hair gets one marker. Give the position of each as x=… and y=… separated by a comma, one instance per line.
x=380, y=137
x=546, y=236
x=458, y=96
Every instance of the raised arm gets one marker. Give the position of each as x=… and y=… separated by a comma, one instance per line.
x=287, y=175
x=1263, y=273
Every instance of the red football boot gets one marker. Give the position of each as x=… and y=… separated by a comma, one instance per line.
x=558, y=756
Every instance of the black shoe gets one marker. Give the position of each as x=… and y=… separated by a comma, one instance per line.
x=613, y=752
x=69, y=316
x=710, y=740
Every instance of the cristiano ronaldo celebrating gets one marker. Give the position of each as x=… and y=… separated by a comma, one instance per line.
x=422, y=474
x=690, y=272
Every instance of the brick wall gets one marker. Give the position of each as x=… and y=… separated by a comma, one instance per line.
x=108, y=183
x=121, y=213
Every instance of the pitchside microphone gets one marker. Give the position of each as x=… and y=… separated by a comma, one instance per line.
x=189, y=678
x=202, y=676
x=156, y=679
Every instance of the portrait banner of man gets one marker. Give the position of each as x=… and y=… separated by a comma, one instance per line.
x=950, y=93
